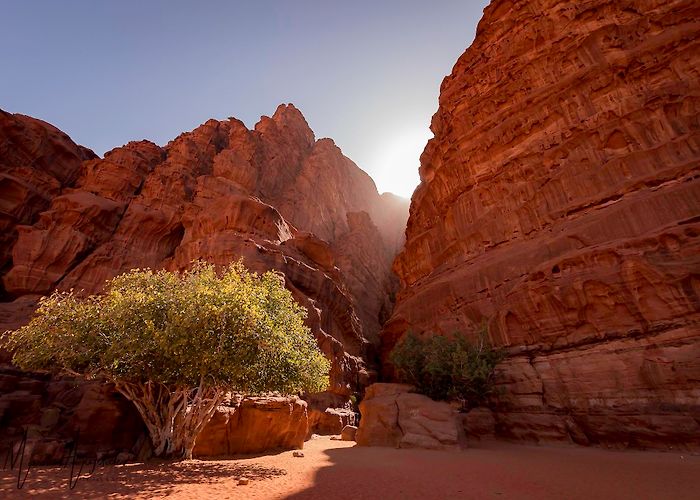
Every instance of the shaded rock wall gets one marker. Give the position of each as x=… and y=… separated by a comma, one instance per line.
x=65, y=413
x=36, y=162
x=560, y=202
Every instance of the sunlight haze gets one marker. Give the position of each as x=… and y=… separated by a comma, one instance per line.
x=366, y=74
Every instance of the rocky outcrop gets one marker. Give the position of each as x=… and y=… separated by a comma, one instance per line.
x=36, y=162
x=329, y=413
x=274, y=197
x=559, y=202
x=255, y=425
x=393, y=415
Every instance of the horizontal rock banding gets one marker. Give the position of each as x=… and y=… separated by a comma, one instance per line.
x=560, y=202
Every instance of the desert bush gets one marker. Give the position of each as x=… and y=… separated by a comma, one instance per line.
x=176, y=343
x=447, y=368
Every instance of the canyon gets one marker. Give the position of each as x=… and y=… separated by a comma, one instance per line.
x=558, y=209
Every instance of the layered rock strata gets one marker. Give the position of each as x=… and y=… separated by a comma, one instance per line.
x=560, y=203
x=36, y=162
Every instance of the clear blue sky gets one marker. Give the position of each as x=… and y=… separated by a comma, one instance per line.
x=365, y=73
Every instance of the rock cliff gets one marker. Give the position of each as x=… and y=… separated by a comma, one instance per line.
x=560, y=202
x=274, y=196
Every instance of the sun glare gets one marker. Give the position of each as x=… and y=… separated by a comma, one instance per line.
x=396, y=165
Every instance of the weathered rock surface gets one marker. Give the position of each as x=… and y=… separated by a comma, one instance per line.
x=394, y=416
x=36, y=161
x=479, y=423
x=273, y=196
x=60, y=414
x=349, y=433
x=559, y=202
x=330, y=421
x=329, y=413
x=255, y=425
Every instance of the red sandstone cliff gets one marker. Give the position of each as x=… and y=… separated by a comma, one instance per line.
x=274, y=196
x=560, y=201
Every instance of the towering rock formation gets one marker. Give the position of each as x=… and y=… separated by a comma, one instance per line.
x=560, y=202
x=273, y=196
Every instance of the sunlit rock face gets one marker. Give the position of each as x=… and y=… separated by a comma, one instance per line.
x=255, y=425
x=560, y=203
x=273, y=196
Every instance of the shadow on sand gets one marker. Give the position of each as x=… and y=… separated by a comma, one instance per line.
x=154, y=478
x=503, y=470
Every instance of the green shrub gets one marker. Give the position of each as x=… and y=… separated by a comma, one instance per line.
x=447, y=368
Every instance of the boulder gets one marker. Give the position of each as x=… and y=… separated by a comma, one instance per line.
x=348, y=433
x=255, y=425
x=330, y=421
x=392, y=415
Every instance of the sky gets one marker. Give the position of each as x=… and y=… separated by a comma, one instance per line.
x=365, y=73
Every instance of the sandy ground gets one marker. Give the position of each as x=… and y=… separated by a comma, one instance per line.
x=339, y=470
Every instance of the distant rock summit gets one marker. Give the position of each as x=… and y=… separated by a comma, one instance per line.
x=560, y=203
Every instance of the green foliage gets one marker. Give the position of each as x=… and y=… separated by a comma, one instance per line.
x=444, y=368
x=238, y=331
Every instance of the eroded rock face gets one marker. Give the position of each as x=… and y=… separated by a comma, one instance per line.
x=392, y=415
x=330, y=421
x=36, y=162
x=348, y=433
x=559, y=202
x=255, y=425
x=273, y=196
x=479, y=423
x=60, y=414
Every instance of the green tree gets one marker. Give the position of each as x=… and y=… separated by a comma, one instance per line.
x=447, y=368
x=175, y=344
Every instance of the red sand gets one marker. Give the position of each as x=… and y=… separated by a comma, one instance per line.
x=336, y=469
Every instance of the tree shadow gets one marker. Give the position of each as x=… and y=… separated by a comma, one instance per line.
x=154, y=478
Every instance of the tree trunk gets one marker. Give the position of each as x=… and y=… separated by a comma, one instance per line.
x=175, y=416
